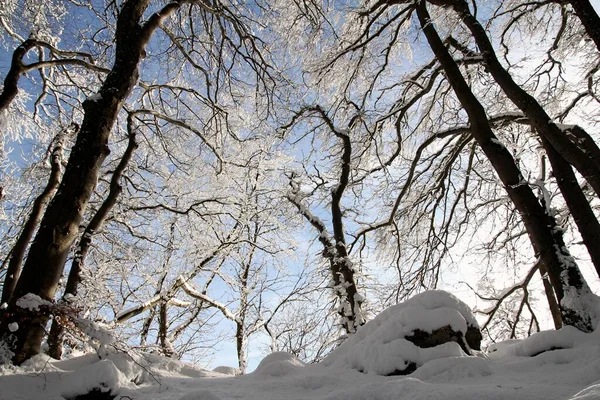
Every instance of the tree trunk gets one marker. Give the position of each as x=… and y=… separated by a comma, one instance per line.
x=551, y=298
x=546, y=239
x=18, y=251
x=60, y=223
x=96, y=223
x=577, y=203
x=552, y=140
x=586, y=159
x=163, y=326
x=335, y=251
x=11, y=82
x=589, y=18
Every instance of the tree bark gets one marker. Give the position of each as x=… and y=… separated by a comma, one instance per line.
x=163, y=326
x=551, y=298
x=11, y=81
x=81, y=251
x=586, y=159
x=577, y=203
x=589, y=18
x=552, y=139
x=18, y=251
x=335, y=251
x=544, y=235
x=18, y=68
x=60, y=223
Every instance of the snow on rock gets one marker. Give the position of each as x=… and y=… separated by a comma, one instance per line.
x=540, y=342
x=103, y=375
x=13, y=327
x=279, y=363
x=222, y=369
x=386, y=345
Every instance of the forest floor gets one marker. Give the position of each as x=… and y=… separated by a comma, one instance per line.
x=509, y=370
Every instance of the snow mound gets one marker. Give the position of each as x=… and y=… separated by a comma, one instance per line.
x=222, y=369
x=103, y=375
x=381, y=347
x=452, y=369
x=279, y=364
x=565, y=338
x=500, y=347
x=590, y=393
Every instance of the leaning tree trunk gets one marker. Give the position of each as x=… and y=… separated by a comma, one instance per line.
x=571, y=289
x=589, y=18
x=560, y=149
x=582, y=153
x=18, y=251
x=577, y=203
x=55, y=338
x=60, y=223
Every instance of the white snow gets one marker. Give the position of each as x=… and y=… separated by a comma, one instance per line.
x=506, y=371
x=279, y=363
x=13, y=327
x=225, y=370
x=95, y=97
x=380, y=347
x=32, y=302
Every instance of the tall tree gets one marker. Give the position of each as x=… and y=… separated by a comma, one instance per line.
x=572, y=291
x=60, y=223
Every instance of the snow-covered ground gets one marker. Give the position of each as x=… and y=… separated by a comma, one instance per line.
x=549, y=365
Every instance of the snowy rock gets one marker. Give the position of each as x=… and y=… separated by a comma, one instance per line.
x=100, y=377
x=429, y=326
x=540, y=342
x=473, y=337
x=278, y=364
x=222, y=369
x=95, y=394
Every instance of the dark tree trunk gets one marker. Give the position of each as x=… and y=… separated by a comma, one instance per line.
x=585, y=158
x=546, y=239
x=60, y=223
x=578, y=204
x=163, y=328
x=335, y=251
x=586, y=13
x=18, y=251
x=146, y=327
x=552, y=140
x=240, y=341
x=96, y=223
x=11, y=82
x=551, y=298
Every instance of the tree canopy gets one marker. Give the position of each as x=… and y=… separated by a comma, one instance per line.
x=292, y=168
